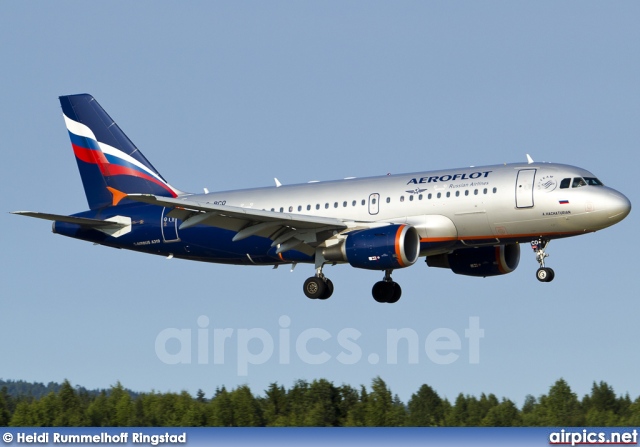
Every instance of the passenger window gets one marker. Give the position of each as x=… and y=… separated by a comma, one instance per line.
x=411, y=198
x=457, y=193
x=344, y=204
x=429, y=196
x=290, y=209
x=402, y=198
x=484, y=191
x=466, y=193
x=308, y=207
x=326, y=206
x=448, y=194
x=353, y=203
x=578, y=182
x=335, y=205
x=565, y=183
x=363, y=202
x=439, y=195
x=281, y=209
x=374, y=201
x=495, y=190
x=317, y=206
x=299, y=207
x=420, y=197
x=388, y=199
x=475, y=192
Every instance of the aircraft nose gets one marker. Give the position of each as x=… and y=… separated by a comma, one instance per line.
x=619, y=207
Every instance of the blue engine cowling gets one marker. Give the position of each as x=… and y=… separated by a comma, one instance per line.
x=480, y=261
x=381, y=248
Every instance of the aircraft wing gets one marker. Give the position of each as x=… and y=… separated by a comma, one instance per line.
x=287, y=231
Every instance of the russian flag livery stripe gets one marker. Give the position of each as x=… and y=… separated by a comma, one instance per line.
x=106, y=158
x=110, y=160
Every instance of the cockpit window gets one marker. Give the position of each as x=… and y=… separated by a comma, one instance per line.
x=593, y=181
x=578, y=182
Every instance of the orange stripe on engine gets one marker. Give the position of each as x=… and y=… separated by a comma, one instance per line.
x=280, y=256
x=398, y=251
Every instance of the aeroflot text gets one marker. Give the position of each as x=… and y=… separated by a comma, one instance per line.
x=448, y=177
x=313, y=346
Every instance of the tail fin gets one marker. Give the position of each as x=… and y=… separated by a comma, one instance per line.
x=110, y=165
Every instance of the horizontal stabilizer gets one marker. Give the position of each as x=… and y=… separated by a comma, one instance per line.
x=85, y=222
x=115, y=226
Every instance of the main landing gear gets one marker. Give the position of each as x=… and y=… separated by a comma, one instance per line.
x=544, y=274
x=387, y=290
x=320, y=287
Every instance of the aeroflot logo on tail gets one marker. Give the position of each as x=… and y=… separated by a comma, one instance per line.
x=448, y=177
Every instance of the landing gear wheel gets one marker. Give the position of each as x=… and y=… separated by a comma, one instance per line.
x=545, y=274
x=386, y=292
x=315, y=287
x=552, y=274
x=397, y=292
x=382, y=291
x=329, y=289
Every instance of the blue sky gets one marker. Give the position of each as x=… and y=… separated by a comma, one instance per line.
x=228, y=95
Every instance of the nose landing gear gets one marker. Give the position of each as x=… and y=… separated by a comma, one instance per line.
x=544, y=274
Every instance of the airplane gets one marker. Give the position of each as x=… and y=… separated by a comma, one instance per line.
x=470, y=220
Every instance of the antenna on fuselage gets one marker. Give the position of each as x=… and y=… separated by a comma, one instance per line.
x=278, y=184
x=529, y=159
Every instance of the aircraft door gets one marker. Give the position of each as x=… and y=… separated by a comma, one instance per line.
x=524, y=188
x=374, y=203
x=168, y=226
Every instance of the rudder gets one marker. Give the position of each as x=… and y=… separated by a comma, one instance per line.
x=110, y=165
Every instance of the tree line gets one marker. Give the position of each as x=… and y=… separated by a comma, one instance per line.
x=317, y=404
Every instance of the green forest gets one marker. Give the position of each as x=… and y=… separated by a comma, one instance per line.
x=317, y=404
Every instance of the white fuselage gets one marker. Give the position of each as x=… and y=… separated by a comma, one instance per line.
x=473, y=206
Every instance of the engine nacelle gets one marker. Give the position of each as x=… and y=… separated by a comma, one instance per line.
x=381, y=248
x=481, y=261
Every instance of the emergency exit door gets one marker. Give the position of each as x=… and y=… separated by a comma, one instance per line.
x=374, y=203
x=169, y=227
x=524, y=188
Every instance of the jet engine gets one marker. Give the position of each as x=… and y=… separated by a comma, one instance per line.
x=480, y=261
x=381, y=248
